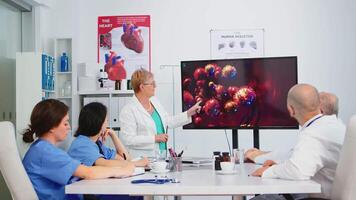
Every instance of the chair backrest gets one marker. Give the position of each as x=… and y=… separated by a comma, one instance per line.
x=344, y=186
x=11, y=166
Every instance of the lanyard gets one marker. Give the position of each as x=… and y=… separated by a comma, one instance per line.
x=313, y=121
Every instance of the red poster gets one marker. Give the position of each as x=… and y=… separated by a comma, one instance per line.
x=125, y=40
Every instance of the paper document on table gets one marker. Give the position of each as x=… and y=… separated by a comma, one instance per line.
x=137, y=171
x=196, y=160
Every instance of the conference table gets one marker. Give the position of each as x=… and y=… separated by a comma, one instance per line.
x=196, y=181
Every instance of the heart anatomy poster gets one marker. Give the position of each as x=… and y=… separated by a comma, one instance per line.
x=227, y=44
x=124, y=41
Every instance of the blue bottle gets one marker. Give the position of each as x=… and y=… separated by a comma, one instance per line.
x=64, y=63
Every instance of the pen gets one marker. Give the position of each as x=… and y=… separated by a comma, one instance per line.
x=123, y=154
x=171, y=152
x=181, y=153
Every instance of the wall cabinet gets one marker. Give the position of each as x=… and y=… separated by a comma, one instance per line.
x=34, y=82
x=114, y=100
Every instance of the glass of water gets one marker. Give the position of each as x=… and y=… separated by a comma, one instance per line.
x=239, y=156
x=161, y=154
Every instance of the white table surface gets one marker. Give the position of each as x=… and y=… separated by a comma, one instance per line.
x=195, y=182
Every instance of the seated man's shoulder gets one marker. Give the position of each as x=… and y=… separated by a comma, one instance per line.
x=329, y=129
x=332, y=122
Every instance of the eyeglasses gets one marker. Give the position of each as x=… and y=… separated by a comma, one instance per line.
x=153, y=83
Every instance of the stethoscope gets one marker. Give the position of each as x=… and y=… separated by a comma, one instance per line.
x=156, y=180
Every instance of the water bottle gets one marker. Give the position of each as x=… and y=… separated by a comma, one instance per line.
x=64, y=63
x=68, y=88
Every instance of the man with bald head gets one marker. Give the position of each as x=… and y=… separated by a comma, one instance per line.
x=317, y=151
x=329, y=105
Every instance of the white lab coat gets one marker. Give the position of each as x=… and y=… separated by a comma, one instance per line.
x=315, y=155
x=278, y=156
x=138, y=130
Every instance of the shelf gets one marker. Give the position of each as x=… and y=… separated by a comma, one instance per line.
x=100, y=92
x=63, y=73
x=64, y=97
x=50, y=91
x=63, y=78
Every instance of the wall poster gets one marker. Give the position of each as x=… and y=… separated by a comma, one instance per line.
x=225, y=44
x=124, y=41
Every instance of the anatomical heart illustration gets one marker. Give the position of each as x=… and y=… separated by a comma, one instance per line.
x=132, y=38
x=124, y=44
x=115, y=66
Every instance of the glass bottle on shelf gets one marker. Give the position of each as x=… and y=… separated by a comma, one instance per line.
x=64, y=63
x=62, y=91
x=68, y=88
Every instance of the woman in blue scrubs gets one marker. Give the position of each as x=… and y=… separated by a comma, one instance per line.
x=88, y=146
x=50, y=168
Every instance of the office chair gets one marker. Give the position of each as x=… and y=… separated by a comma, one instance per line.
x=11, y=166
x=345, y=179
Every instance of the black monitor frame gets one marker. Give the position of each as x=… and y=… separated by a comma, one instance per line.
x=227, y=60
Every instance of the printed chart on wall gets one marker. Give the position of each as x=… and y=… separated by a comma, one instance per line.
x=227, y=44
x=125, y=40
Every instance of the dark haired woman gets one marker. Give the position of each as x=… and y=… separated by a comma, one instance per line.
x=88, y=147
x=48, y=167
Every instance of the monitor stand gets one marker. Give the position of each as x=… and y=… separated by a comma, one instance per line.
x=235, y=138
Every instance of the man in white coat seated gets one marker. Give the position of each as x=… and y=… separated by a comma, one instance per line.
x=316, y=154
x=329, y=105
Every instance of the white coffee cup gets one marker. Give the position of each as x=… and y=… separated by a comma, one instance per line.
x=227, y=166
x=159, y=166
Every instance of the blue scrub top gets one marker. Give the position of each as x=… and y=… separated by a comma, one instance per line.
x=87, y=151
x=49, y=169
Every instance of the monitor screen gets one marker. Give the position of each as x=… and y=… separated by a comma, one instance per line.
x=239, y=93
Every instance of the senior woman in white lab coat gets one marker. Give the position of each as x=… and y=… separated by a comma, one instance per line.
x=144, y=121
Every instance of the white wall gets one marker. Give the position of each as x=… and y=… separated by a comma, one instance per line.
x=320, y=32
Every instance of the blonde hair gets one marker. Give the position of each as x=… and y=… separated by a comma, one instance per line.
x=139, y=77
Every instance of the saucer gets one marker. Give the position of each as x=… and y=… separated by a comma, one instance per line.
x=159, y=172
x=226, y=172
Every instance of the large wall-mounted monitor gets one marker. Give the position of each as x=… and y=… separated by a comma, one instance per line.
x=239, y=93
